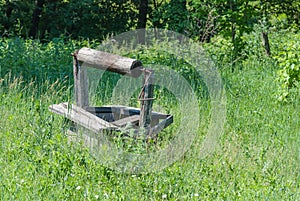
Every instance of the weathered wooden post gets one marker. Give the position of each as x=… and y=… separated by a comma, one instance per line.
x=146, y=98
x=80, y=82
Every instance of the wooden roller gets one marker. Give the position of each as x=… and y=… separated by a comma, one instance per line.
x=107, y=61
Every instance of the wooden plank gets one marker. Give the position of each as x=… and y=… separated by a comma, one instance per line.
x=81, y=117
x=159, y=127
x=80, y=83
x=111, y=62
x=123, y=122
x=146, y=98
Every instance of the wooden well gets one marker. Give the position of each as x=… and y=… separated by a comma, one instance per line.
x=98, y=119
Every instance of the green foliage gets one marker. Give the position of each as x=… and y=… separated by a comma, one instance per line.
x=230, y=20
x=15, y=17
x=90, y=18
x=257, y=157
x=220, y=50
x=289, y=8
x=171, y=15
x=288, y=59
x=158, y=56
x=34, y=60
x=234, y=19
x=87, y=18
x=202, y=20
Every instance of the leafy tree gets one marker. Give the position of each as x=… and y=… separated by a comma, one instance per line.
x=88, y=18
x=171, y=15
x=266, y=10
x=287, y=56
x=15, y=17
x=52, y=18
x=231, y=19
x=290, y=8
x=36, y=18
x=202, y=20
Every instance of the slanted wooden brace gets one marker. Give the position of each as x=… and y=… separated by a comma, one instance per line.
x=98, y=119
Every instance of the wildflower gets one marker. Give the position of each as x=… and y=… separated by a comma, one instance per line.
x=105, y=195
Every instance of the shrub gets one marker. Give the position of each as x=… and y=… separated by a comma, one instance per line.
x=287, y=58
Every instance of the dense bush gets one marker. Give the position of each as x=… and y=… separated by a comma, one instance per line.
x=32, y=59
x=287, y=56
x=76, y=19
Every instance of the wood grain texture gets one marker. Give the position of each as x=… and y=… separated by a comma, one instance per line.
x=81, y=117
x=80, y=83
x=146, y=98
x=111, y=62
x=159, y=127
x=124, y=121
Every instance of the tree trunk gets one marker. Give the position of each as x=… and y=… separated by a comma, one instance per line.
x=9, y=11
x=266, y=43
x=6, y=24
x=142, y=20
x=36, y=18
x=233, y=35
x=143, y=9
x=47, y=22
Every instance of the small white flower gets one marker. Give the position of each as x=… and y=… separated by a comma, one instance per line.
x=196, y=194
x=96, y=196
x=78, y=188
x=164, y=196
x=106, y=195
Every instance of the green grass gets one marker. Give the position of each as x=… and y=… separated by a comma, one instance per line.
x=257, y=159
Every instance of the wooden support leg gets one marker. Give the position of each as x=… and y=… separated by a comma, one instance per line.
x=146, y=98
x=80, y=83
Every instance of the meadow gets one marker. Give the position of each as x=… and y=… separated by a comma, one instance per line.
x=257, y=157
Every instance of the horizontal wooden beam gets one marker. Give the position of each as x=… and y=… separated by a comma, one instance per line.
x=111, y=62
x=81, y=117
x=124, y=121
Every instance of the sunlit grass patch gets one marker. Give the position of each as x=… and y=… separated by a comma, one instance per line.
x=257, y=157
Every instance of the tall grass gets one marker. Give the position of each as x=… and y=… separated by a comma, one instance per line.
x=258, y=156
